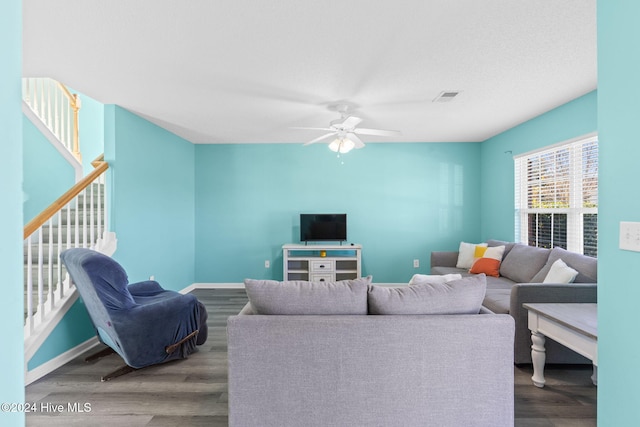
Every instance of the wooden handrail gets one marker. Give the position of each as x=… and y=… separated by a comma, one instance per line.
x=100, y=167
x=74, y=102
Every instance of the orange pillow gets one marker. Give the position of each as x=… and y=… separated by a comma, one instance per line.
x=488, y=266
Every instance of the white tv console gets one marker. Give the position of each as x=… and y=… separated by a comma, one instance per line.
x=322, y=263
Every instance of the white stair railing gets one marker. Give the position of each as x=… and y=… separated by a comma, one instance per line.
x=77, y=219
x=57, y=107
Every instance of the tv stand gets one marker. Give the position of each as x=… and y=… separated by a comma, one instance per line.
x=322, y=263
x=307, y=243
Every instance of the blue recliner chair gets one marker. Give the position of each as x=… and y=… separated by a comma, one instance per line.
x=142, y=322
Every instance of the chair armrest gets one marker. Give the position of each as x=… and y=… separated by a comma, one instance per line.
x=146, y=330
x=444, y=259
x=147, y=287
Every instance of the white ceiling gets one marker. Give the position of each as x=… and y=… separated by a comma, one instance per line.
x=241, y=71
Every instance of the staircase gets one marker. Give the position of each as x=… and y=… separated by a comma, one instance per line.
x=78, y=218
x=55, y=236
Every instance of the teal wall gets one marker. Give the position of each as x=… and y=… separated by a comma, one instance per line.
x=47, y=175
x=91, y=125
x=11, y=303
x=74, y=329
x=618, y=270
x=402, y=201
x=151, y=174
x=571, y=120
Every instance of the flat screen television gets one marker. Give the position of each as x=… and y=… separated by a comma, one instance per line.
x=323, y=227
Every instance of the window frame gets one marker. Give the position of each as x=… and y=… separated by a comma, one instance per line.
x=575, y=210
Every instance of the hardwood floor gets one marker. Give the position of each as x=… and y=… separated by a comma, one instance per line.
x=193, y=392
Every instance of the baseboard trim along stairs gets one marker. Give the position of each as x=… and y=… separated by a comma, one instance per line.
x=61, y=360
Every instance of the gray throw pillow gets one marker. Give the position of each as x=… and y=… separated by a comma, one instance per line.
x=300, y=297
x=462, y=296
x=523, y=262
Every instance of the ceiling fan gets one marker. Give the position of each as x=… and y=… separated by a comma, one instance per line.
x=345, y=131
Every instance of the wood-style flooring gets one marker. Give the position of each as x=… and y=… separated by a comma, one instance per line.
x=193, y=392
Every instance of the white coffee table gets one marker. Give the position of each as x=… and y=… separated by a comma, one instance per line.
x=573, y=325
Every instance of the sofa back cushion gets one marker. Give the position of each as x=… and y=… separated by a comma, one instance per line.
x=507, y=246
x=523, y=262
x=300, y=297
x=586, y=266
x=463, y=296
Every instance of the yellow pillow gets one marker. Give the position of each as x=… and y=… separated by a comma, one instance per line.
x=479, y=252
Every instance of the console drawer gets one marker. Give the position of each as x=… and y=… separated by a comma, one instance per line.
x=322, y=265
x=321, y=277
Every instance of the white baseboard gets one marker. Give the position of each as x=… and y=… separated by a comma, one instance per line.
x=193, y=286
x=56, y=362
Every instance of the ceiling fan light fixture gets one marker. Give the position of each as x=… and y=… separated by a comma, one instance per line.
x=342, y=145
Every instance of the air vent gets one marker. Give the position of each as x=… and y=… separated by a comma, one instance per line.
x=446, y=96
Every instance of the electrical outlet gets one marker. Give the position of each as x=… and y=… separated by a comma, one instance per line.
x=630, y=236
x=267, y=264
x=152, y=277
x=416, y=263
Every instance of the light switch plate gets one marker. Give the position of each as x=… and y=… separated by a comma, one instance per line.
x=630, y=236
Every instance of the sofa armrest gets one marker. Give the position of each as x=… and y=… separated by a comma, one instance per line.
x=444, y=259
x=543, y=293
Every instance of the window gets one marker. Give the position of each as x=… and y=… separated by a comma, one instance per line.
x=556, y=196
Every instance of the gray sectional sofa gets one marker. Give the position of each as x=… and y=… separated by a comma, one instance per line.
x=305, y=354
x=522, y=271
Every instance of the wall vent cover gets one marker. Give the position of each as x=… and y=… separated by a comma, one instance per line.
x=446, y=96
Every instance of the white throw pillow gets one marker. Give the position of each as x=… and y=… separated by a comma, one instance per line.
x=434, y=279
x=560, y=273
x=466, y=254
x=494, y=252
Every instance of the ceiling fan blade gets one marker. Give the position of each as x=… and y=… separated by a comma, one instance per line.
x=351, y=122
x=357, y=141
x=296, y=127
x=321, y=138
x=378, y=132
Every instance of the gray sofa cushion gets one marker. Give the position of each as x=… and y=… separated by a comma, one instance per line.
x=587, y=266
x=462, y=296
x=523, y=262
x=299, y=297
x=498, y=300
x=499, y=283
x=507, y=246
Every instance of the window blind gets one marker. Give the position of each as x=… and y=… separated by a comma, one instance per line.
x=556, y=196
